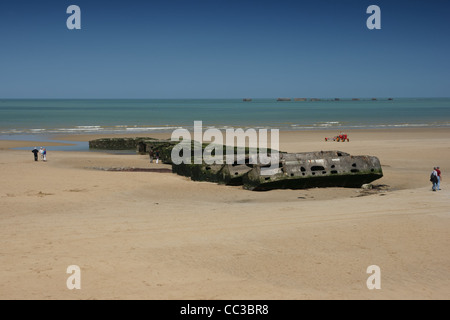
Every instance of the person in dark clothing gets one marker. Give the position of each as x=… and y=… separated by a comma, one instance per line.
x=36, y=152
x=151, y=154
x=434, y=179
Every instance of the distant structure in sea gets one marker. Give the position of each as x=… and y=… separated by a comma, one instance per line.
x=318, y=99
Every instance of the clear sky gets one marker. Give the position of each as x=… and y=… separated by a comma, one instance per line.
x=224, y=49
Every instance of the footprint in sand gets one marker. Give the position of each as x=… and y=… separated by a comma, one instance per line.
x=43, y=194
x=76, y=190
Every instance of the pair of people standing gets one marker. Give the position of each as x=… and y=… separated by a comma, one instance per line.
x=42, y=152
x=154, y=154
x=436, y=178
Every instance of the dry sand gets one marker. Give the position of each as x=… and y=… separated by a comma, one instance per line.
x=162, y=236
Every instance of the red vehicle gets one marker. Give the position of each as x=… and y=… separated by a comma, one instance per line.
x=342, y=137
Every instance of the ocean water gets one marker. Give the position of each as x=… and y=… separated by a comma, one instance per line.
x=48, y=117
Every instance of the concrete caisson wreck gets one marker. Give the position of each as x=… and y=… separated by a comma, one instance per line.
x=315, y=169
x=295, y=171
x=319, y=169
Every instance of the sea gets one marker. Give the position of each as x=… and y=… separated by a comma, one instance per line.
x=29, y=119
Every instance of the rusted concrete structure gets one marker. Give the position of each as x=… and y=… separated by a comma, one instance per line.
x=315, y=169
x=162, y=147
x=118, y=143
x=294, y=170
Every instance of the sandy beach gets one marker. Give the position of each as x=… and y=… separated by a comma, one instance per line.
x=161, y=236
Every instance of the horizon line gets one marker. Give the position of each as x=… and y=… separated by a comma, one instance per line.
x=239, y=98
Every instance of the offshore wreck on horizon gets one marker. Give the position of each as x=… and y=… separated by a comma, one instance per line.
x=320, y=169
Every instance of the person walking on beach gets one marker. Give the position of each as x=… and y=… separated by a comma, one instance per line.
x=439, y=178
x=44, y=154
x=434, y=178
x=35, y=152
x=41, y=153
x=151, y=154
x=157, y=156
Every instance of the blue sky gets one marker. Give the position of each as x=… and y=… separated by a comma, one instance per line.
x=224, y=49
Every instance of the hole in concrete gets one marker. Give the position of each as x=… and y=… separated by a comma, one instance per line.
x=302, y=169
x=334, y=172
x=333, y=166
x=317, y=168
x=270, y=165
x=354, y=165
x=354, y=170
